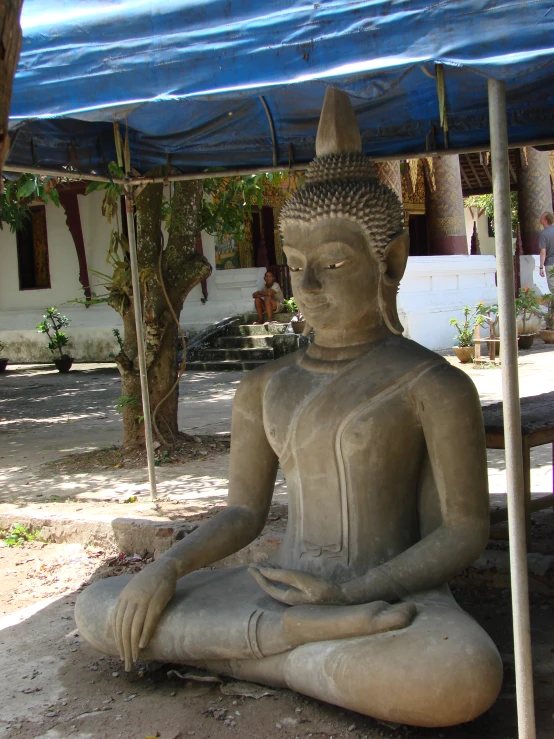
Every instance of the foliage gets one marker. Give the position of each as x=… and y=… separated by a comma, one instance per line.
x=19, y=194
x=490, y=316
x=547, y=300
x=125, y=400
x=228, y=201
x=466, y=327
x=3, y=345
x=17, y=535
x=485, y=205
x=527, y=305
x=51, y=326
x=292, y=306
x=112, y=196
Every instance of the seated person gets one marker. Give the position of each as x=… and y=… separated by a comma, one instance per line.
x=269, y=299
x=382, y=445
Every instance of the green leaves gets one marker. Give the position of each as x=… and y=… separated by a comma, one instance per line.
x=466, y=327
x=27, y=188
x=51, y=325
x=228, y=202
x=19, y=194
x=92, y=186
x=485, y=205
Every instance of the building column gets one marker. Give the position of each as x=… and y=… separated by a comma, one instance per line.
x=444, y=206
x=388, y=173
x=534, y=195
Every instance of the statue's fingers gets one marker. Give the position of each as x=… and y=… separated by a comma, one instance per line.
x=126, y=635
x=136, y=631
x=118, y=628
x=153, y=613
x=299, y=580
x=395, y=617
x=271, y=589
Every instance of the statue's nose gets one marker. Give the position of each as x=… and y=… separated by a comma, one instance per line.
x=311, y=283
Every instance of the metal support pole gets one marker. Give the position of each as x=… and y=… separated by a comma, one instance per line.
x=512, y=410
x=140, y=345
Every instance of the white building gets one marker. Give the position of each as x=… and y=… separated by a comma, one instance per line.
x=433, y=290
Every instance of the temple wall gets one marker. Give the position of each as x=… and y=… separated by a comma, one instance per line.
x=434, y=289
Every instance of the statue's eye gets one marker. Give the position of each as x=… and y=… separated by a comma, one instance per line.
x=295, y=269
x=336, y=265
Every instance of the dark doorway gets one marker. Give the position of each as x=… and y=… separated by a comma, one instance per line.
x=419, y=245
x=263, y=236
x=32, y=252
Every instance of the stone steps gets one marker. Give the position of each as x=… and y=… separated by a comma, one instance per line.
x=241, y=354
x=228, y=365
x=244, y=342
x=250, y=330
x=242, y=346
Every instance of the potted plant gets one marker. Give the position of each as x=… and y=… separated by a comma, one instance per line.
x=490, y=318
x=297, y=321
x=3, y=360
x=51, y=326
x=465, y=351
x=547, y=333
x=527, y=306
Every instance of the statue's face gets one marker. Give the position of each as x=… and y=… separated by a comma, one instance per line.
x=334, y=276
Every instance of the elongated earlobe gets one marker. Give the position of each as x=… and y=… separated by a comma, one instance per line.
x=392, y=271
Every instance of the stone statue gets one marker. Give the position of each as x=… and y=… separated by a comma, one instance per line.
x=382, y=445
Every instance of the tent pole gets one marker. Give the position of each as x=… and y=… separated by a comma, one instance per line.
x=512, y=410
x=140, y=344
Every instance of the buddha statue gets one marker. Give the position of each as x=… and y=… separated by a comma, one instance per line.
x=382, y=445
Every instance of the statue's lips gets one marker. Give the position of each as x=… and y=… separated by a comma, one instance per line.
x=313, y=305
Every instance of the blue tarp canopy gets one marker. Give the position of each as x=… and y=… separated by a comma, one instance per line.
x=190, y=77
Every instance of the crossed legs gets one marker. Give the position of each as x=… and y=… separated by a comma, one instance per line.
x=438, y=668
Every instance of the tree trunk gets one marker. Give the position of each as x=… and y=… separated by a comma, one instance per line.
x=10, y=40
x=181, y=270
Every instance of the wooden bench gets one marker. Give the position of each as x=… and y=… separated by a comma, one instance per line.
x=537, y=428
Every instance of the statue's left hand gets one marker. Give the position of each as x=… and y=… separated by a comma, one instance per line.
x=296, y=588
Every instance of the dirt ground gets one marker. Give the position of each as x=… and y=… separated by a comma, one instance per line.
x=55, y=686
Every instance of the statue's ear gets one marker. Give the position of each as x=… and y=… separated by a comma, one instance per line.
x=396, y=256
x=392, y=271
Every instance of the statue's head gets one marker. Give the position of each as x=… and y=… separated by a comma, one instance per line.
x=343, y=229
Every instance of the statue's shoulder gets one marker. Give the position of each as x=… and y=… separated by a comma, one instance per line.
x=255, y=381
x=435, y=377
x=409, y=355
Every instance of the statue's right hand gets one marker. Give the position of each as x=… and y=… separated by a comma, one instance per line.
x=140, y=607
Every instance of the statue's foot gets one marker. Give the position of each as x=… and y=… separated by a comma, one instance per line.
x=441, y=670
x=303, y=624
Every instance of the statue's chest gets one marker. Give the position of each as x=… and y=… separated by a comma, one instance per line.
x=340, y=438
x=315, y=412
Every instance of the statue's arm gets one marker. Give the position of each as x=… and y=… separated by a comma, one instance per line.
x=251, y=481
x=449, y=410
x=252, y=473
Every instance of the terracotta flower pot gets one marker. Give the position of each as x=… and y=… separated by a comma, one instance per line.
x=3, y=364
x=298, y=326
x=63, y=364
x=547, y=335
x=464, y=353
x=525, y=341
